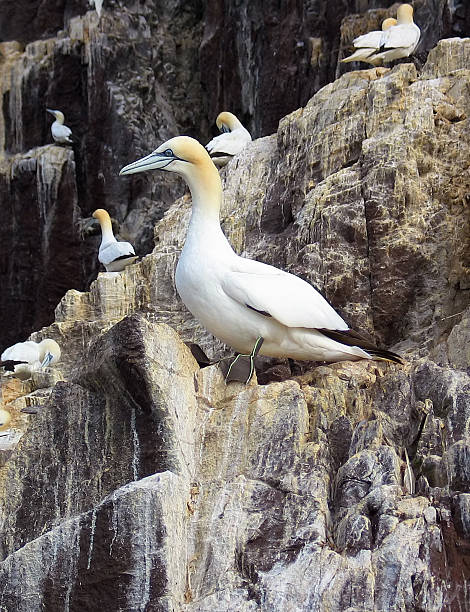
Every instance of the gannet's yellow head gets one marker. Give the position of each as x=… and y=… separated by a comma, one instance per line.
x=188, y=158
x=49, y=352
x=57, y=114
x=226, y=122
x=102, y=216
x=5, y=418
x=388, y=23
x=405, y=13
x=175, y=155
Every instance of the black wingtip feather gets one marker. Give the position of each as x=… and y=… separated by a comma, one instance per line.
x=350, y=337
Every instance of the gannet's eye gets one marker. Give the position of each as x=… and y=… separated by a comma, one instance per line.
x=168, y=153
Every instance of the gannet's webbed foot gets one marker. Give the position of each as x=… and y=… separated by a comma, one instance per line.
x=199, y=355
x=243, y=366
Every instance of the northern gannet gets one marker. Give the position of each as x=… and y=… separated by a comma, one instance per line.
x=23, y=358
x=369, y=43
x=114, y=255
x=249, y=305
x=60, y=132
x=232, y=140
x=400, y=40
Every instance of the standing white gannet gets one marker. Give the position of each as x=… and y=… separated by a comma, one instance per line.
x=369, y=43
x=60, y=132
x=399, y=40
x=247, y=304
x=23, y=358
x=114, y=255
x=232, y=140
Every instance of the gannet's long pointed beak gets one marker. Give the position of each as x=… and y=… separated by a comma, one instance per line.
x=47, y=360
x=154, y=161
x=50, y=111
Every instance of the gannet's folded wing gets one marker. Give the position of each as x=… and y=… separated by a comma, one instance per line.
x=115, y=250
x=404, y=35
x=27, y=352
x=225, y=143
x=372, y=40
x=229, y=143
x=287, y=298
x=61, y=132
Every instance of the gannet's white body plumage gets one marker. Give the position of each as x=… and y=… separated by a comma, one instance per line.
x=238, y=299
x=114, y=255
x=400, y=40
x=98, y=4
x=233, y=139
x=370, y=43
x=31, y=357
x=60, y=132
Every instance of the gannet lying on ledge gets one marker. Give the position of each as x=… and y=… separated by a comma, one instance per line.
x=232, y=140
x=60, y=132
x=23, y=358
x=249, y=305
x=114, y=255
x=369, y=43
x=400, y=40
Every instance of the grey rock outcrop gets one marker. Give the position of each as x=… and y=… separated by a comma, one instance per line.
x=146, y=483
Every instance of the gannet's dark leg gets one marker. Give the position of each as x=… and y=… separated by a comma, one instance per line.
x=243, y=366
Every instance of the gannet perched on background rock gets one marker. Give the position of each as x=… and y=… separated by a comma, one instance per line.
x=232, y=140
x=60, y=132
x=247, y=304
x=23, y=358
x=114, y=255
x=400, y=40
x=369, y=43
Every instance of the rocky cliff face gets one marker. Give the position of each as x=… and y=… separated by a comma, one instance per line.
x=146, y=483
x=128, y=80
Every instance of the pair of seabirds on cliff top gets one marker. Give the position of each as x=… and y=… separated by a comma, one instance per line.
x=24, y=358
x=251, y=306
x=398, y=39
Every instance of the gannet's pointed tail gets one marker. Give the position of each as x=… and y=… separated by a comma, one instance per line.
x=350, y=337
x=9, y=364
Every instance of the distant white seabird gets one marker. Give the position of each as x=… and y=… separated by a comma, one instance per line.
x=400, y=40
x=369, y=43
x=233, y=139
x=23, y=358
x=60, y=132
x=247, y=304
x=114, y=255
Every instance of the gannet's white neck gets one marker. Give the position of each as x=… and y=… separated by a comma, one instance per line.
x=106, y=226
x=107, y=233
x=205, y=237
x=206, y=191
